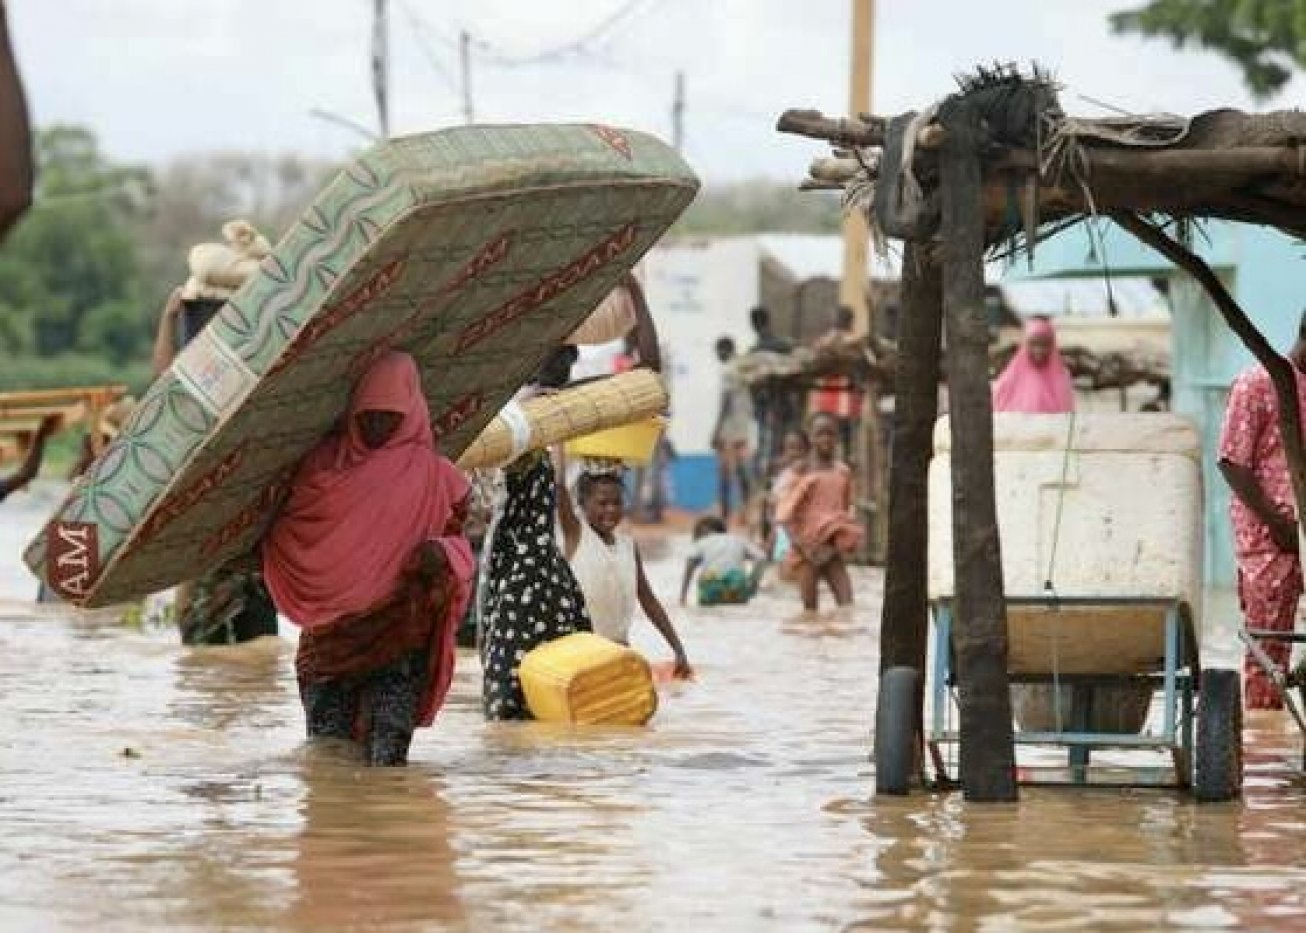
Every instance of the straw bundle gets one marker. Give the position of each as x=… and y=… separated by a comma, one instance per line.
x=550, y=419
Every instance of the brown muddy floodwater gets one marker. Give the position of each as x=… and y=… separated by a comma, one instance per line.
x=145, y=785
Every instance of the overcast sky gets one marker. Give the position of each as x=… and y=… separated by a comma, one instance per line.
x=155, y=78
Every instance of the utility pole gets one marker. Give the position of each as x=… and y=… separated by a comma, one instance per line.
x=381, y=66
x=852, y=287
x=465, y=58
x=678, y=113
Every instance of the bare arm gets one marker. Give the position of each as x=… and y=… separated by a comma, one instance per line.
x=652, y=607
x=566, y=509
x=1242, y=481
x=165, y=338
x=16, y=172
x=32, y=462
x=646, y=332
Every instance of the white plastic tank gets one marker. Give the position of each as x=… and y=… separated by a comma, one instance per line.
x=1102, y=505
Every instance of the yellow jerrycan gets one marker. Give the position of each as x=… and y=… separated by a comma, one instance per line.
x=586, y=680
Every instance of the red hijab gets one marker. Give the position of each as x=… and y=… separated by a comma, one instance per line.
x=355, y=515
x=1035, y=388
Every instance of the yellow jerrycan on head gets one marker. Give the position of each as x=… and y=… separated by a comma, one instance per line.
x=587, y=680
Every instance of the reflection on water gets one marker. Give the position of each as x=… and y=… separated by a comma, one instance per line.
x=143, y=784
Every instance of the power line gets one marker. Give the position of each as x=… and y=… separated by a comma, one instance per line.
x=422, y=31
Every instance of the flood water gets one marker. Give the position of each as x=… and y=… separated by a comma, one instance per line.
x=147, y=785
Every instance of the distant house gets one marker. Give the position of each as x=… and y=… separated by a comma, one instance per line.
x=1264, y=270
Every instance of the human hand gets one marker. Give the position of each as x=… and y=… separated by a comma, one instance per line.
x=1283, y=532
x=432, y=565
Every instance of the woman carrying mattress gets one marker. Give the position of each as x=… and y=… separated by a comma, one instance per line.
x=369, y=558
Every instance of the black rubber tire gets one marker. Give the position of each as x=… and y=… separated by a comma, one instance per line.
x=895, y=731
x=1218, y=758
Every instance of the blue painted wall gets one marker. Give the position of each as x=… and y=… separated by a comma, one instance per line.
x=693, y=482
x=1266, y=273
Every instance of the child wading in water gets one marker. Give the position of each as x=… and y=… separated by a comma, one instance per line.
x=816, y=513
x=607, y=564
x=720, y=559
x=795, y=454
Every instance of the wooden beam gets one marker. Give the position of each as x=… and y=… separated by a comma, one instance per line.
x=904, y=615
x=988, y=767
x=1282, y=372
x=816, y=125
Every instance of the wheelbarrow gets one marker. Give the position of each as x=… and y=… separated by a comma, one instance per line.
x=1101, y=524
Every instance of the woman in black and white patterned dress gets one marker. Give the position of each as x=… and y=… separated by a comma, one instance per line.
x=530, y=594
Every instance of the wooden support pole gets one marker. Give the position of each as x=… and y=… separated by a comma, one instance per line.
x=987, y=766
x=904, y=616
x=1281, y=370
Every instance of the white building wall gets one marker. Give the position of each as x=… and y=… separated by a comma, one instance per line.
x=698, y=291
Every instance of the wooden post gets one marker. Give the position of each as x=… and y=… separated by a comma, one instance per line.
x=988, y=767
x=904, y=616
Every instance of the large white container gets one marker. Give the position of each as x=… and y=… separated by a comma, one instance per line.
x=1128, y=490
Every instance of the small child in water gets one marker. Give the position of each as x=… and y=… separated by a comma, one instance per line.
x=607, y=563
x=795, y=451
x=721, y=560
x=816, y=514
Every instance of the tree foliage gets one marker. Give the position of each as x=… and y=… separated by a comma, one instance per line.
x=88, y=268
x=1266, y=39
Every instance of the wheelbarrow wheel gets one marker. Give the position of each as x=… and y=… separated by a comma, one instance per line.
x=895, y=730
x=1218, y=762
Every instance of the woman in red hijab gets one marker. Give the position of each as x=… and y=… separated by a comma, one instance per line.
x=368, y=557
x=1036, y=381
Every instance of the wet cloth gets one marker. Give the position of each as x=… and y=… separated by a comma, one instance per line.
x=355, y=515
x=608, y=577
x=1026, y=386
x=721, y=553
x=530, y=595
x=722, y=576
x=1269, y=580
x=816, y=511
x=733, y=587
x=343, y=560
x=228, y=607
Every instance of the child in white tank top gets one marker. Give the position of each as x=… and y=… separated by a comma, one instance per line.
x=607, y=564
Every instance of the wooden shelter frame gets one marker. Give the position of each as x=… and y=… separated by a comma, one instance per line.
x=1229, y=165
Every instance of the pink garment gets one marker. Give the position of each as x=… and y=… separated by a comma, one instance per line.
x=1025, y=386
x=816, y=510
x=356, y=515
x=1269, y=580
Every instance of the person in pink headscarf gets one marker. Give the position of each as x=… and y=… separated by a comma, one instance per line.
x=368, y=557
x=1036, y=381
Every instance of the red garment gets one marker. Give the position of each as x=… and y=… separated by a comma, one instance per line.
x=1269, y=581
x=355, y=515
x=1026, y=386
x=418, y=618
x=816, y=510
x=838, y=396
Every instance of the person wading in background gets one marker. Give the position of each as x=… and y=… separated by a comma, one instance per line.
x=1036, y=381
x=1263, y=515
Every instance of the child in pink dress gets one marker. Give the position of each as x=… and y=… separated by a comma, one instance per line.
x=816, y=514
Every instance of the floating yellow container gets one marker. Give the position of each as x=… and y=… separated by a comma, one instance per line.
x=587, y=680
x=633, y=443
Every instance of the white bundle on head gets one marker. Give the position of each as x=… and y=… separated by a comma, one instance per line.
x=217, y=270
